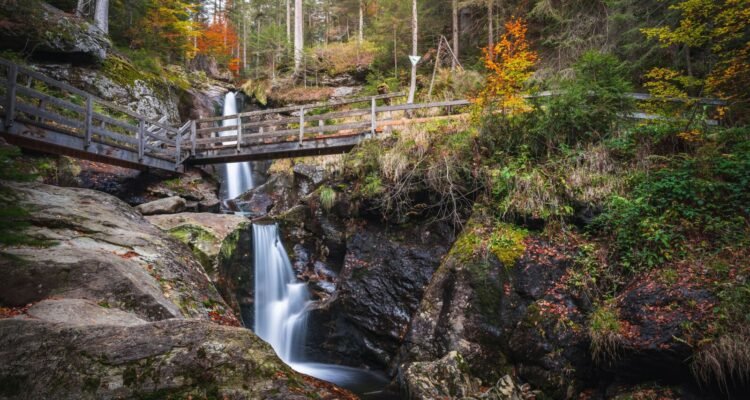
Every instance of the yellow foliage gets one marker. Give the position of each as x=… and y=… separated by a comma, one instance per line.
x=510, y=66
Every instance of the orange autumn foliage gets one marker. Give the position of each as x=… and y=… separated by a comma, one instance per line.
x=219, y=40
x=510, y=65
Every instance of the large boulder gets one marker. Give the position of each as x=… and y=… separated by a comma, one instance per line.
x=96, y=247
x=169, y=205
x=50, y=34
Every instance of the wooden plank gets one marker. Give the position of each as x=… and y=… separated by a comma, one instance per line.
x=438, y=104
x=36, y=111
x=141, y=138
x=22, y=90
x=192, y=137
x=115, y=122
x=88, y=124
x=160, y=138
x=271, y=151
x=103, y=133
x=307, y=106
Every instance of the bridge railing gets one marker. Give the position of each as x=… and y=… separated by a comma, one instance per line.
x=285, y=124
x=32, y=98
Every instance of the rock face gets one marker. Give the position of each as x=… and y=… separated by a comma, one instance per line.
x=170, y=205
x=52, y=34
x=165, y=359
x=223, y=245
x=118, y=82
x=98, y=248
x=503, y=314
x=105, y=305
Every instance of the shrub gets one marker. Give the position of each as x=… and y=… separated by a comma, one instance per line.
x=327, y=198
x=703, y=200
x=604, y=330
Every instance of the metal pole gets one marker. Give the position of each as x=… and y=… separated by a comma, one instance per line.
x=10, y=96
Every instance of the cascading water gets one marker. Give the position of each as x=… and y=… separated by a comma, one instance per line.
x=280, y=300
x=239, y=176
x=281, y=316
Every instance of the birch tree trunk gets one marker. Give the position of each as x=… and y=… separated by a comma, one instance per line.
x=299, y=40
x=288, y=21
x=101, y=15
x=455, y=34
x=414, y=44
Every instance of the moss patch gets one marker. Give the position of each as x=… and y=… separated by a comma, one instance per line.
x=199, y=240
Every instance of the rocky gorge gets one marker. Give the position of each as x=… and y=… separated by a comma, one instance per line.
x=439, y=256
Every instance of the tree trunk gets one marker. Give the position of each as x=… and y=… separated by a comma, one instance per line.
x=289, y=21
x=414, y=44
x=101, y=16
x=490, y=21
x=299, y=40
x=361, y=21
x=81, y=8
x=455, y=34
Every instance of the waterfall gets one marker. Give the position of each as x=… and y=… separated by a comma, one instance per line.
x=281, y=317
x=280, y=300
x=239, y=177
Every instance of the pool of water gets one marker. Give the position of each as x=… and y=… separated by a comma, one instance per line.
x=368, y=385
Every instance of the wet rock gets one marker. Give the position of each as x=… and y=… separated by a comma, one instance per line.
x=515, y=314
x=448, y=378
x=223, y=245
x=384, y=275
x=166, y=359
x=657, y=317
x=308, y=178
x=96, y=247
x=50, y=34
x=170, y=205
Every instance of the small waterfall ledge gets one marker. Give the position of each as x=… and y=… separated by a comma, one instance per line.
x=281, y=309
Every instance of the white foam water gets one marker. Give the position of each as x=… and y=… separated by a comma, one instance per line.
x=281, y=309
x=239, y=176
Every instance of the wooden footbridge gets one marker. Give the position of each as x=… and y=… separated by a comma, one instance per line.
x=43, y=114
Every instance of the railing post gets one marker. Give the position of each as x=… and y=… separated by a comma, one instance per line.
x=192, y=137
x=89, y=118
x=10, y=96
x=301, y=125
x=141, y=139
x=239, y=133
x=373, y=119
x=178, y=145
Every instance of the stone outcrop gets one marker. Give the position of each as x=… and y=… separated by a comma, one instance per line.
x=96, y=247
x=48, y=33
